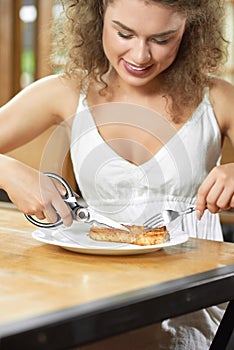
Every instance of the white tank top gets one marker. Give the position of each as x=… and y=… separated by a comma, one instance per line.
x=132, y=193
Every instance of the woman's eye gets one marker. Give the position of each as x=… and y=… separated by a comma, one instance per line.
x=160, y=42
x=124, y=35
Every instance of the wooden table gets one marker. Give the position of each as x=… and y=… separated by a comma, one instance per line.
x=51, y=298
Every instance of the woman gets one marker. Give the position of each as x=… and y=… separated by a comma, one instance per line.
x=147, y=132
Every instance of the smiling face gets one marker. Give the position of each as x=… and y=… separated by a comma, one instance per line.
x=141, y=40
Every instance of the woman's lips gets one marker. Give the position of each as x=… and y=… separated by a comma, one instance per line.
x=136, y=70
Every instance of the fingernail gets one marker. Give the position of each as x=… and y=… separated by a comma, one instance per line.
x=198, y=215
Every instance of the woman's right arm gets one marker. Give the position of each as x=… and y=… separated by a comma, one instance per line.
x=29, y=113
x=43, y=104
x=31, y=191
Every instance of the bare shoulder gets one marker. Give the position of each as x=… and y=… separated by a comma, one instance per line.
x=59, y=93
x=68, y=91
x=53, y=98
x=222, y=99
x=44, y=103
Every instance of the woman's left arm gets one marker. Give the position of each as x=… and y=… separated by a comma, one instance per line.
x=216, y=193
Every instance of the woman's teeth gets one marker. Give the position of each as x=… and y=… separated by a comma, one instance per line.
x=136, y=68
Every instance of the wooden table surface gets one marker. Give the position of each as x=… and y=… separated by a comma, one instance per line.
x=40, y=278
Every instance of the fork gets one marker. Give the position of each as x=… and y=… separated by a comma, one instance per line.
x=165, y=217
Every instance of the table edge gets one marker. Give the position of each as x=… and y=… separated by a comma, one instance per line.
x=191, y=293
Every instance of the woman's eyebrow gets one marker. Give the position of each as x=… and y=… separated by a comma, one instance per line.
x=123, y=26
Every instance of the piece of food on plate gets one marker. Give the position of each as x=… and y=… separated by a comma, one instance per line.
x=136, y=235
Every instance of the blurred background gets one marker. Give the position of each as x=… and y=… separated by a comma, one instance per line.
x=25, y=48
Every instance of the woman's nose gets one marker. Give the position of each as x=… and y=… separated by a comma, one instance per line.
x=141, y=52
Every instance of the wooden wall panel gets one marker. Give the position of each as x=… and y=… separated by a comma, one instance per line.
x=6, y=50
x=43, y=47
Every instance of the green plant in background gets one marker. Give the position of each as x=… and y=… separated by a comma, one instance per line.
x=28, y=62
x=28, y=66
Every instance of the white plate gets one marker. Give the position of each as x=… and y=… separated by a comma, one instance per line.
x=76, y=239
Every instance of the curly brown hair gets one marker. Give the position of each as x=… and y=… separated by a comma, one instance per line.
x=202, y=51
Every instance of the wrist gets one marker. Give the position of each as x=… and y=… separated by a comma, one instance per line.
x=5, y=165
